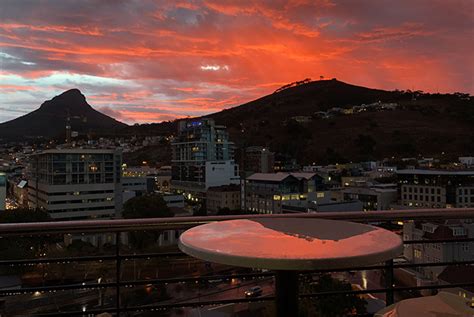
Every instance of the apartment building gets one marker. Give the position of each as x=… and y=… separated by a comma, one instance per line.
x=438, y=252
x=76, y=183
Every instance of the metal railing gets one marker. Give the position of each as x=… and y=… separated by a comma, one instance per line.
x=119, y=226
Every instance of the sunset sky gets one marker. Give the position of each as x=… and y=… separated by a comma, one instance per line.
x=148, y=61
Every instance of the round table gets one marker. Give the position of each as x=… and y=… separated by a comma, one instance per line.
x=288, y=245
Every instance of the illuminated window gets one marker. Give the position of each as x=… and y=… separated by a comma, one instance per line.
x=320, y=195
x=276, y=197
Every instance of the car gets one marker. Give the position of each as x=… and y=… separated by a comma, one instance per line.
x=254, y=291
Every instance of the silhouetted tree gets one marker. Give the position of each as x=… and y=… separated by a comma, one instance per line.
x=334, y=305
x=20, y=247
x=147, y=206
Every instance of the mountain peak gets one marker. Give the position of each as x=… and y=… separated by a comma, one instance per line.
x=72, y=92
x=71, y=99
x=50, y=119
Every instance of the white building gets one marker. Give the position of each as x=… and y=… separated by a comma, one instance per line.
x=3, y=191
x=203, y=157
x=76, y=183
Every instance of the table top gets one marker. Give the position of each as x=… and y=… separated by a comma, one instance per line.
x=442, y=304
x=290, y=243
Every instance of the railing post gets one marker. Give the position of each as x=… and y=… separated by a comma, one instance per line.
x=117, y=273
x=389, y=282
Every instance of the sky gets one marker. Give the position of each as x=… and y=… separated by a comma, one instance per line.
x=148, y=61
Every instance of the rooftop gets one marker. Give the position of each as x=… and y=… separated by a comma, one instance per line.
x=436, y=172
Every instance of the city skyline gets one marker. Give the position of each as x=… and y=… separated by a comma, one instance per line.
x=152, y=61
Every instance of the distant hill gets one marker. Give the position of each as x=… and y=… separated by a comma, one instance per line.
x=49, y=121
x=426, y=124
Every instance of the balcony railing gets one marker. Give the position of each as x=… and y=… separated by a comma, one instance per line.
x=120, y=258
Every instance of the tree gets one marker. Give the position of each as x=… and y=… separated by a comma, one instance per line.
x=201, y=211
x=19, y=247
x=147, y=206
x=334, y=305
x=24, y=215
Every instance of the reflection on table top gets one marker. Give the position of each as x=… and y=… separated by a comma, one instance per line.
x=291, y=243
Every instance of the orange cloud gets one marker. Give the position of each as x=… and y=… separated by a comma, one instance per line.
x=157, y=52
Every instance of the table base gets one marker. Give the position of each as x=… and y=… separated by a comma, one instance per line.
x=286, y=285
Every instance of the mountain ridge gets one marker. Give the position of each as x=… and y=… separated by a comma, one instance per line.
x=49, y=120
x=424, y=123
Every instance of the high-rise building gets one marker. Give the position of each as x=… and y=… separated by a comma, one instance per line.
x=3, y=191
x=76, y=183
x=203, y=157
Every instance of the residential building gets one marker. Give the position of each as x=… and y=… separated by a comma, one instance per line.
x=203, y=157
x=223, y=197
x=76, y=183
x=3, y=191
x=437, y=252
x=420, y=188
x=436, y=188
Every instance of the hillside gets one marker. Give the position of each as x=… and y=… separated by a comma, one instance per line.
x=426, y=124
x=49, y=120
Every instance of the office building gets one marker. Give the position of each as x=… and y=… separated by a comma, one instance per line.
x=203, y=157
x=269, y=192
x=76, y=183
x=436, y=188
x=373, y=197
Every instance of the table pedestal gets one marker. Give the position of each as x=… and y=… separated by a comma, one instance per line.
x=286, y=285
